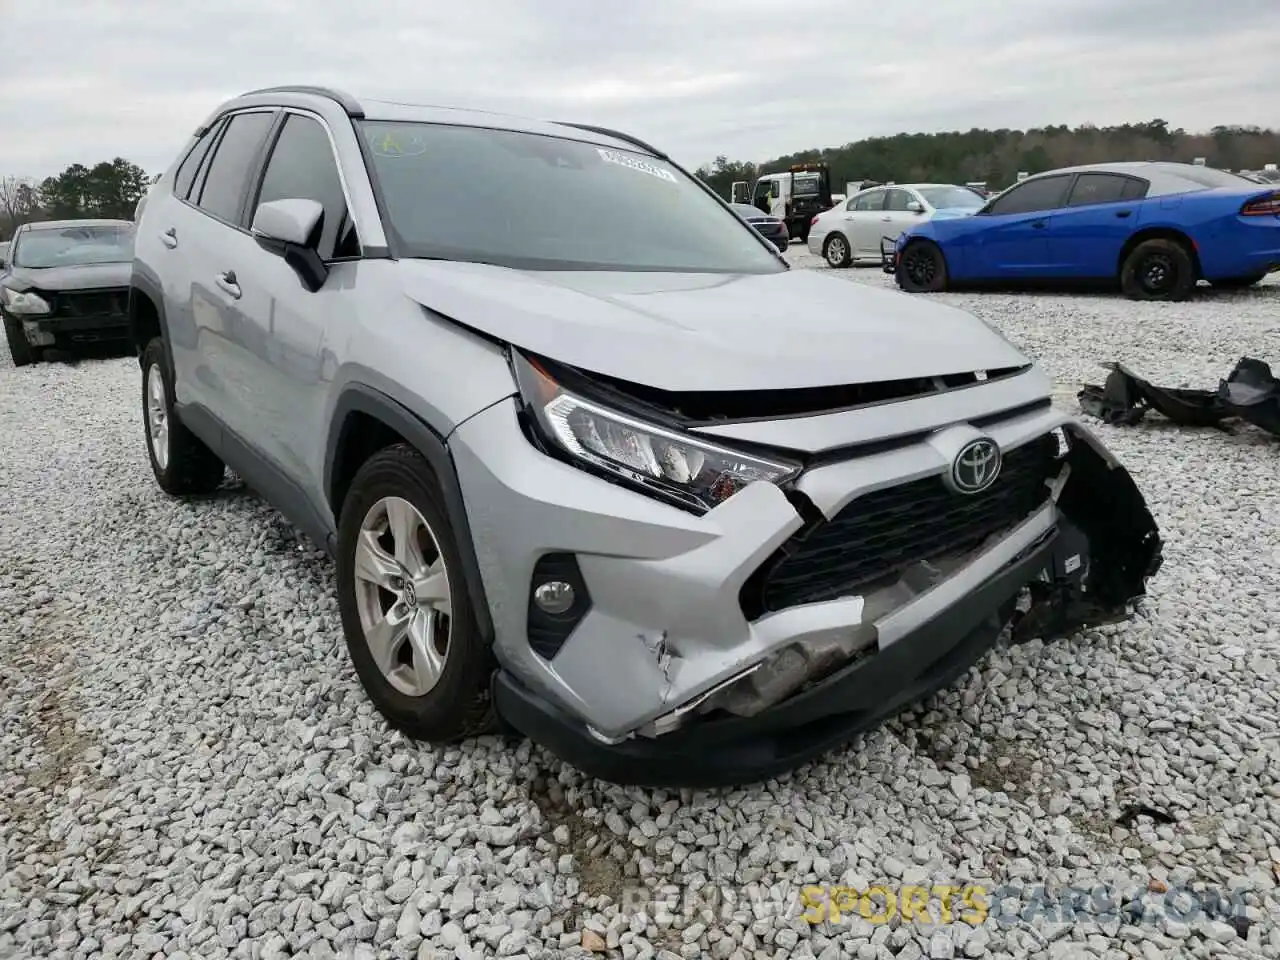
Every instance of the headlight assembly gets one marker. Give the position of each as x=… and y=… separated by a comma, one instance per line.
x=23, y=304
x=667, y=464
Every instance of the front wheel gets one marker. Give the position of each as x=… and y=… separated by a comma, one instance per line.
x=410, y=629
x=1158, y=269
x=20, y=348
x=921, y=268
x=836, y=251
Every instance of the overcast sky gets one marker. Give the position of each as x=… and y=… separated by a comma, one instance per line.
x=87, y=80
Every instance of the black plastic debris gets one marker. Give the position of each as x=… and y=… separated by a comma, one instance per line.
x=1129, y=816
x=1250, y=392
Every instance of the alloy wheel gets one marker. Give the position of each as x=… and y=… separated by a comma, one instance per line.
x=402, y=596
x=157, y=416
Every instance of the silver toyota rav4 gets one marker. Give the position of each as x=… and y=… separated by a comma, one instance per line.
x=591, y=460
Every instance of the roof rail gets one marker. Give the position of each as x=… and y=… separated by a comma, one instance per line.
x=617, y=135
x=345, y=100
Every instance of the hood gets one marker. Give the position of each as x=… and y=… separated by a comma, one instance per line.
x=680, y=332
x=91, y=276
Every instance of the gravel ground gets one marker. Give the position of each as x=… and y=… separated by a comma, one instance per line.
x=189, y=769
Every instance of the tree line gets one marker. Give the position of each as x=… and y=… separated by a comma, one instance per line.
x=108, y=190
x=996, y=157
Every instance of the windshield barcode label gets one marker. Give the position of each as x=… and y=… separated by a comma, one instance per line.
x=635, y=163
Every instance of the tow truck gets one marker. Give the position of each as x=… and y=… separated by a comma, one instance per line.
x=795, y=196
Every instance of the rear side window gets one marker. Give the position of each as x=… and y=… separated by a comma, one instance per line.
x=225, y=184
x=302, y=167
x=1045, y=193
x=187, y=171
x=1094, y=188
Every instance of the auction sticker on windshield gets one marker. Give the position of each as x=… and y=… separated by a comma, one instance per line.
x=635, y=163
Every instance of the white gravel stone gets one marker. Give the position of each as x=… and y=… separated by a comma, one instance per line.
x=188, y=767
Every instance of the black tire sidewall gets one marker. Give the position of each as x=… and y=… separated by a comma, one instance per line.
x=193, y=469
x=1179, y=258
x=458, y=706
x=914, y=248
x=20, y=350
x=154, y=355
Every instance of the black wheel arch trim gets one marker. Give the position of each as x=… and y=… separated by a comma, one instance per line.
x=360, y=398
x=144, y=282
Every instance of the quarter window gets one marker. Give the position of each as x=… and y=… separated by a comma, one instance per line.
x=186, y=174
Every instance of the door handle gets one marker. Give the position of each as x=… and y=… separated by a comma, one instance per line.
x=227, y=284
x=1037, y=224
x=1123, y=213
x=169, y=238
x=885, y=219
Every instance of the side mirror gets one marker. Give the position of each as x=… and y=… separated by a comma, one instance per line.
x=288, y=221
x=915, y=206
x=291, y=228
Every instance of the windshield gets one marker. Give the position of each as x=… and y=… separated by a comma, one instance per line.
x=535, y=202
x=804, y=184
x=74, y=246
x=951, y=198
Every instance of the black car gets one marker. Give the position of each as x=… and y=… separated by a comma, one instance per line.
x=771, y=228
x=65, y=282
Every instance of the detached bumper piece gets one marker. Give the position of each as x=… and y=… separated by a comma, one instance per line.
x=888, y=255
x=1250, y=392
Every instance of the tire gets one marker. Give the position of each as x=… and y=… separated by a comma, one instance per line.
x=22, y=352
x=921, y=268
x=182, y=464
x=1158, y=269
x=441, y=701
x=836, y=251
x=1236, y=283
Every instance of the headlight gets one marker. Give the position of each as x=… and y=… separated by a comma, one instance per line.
x=27, y=304
x=664, y=463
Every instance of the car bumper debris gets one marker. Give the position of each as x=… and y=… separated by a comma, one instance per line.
x=1250, y=393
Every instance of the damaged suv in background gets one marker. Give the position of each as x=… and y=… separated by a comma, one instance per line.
x=583, y=464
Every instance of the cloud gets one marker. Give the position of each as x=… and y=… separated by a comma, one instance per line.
x=85, y=80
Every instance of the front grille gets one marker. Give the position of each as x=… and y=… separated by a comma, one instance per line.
x=78, y=304
x=879, y=535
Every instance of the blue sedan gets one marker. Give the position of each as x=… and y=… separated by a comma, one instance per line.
x=1153, y=228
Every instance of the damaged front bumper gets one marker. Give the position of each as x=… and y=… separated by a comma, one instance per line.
x=682, y=667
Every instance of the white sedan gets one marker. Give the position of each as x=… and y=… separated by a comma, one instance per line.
x=852, y=232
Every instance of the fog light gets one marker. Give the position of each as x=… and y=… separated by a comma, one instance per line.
x=558, y=600
x=554, y=597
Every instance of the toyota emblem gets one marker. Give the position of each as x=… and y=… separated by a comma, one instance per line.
x=976, y=466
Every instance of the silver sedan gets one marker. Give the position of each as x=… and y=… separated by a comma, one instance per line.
x=852, y=232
